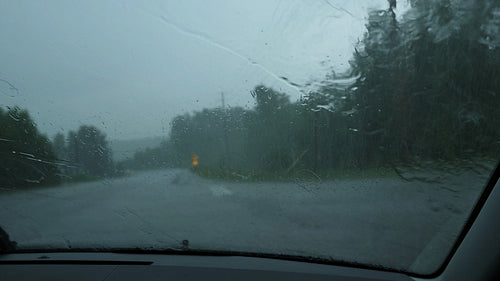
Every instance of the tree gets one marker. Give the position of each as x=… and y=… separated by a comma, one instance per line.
x=426, y=85
x=59, y=146
x=88, y=150
x=271, y=129
x=27, y=156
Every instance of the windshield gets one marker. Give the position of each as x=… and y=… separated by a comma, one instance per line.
x=359, y=132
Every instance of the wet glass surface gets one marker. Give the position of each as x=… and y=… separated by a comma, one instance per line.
x=352, y=131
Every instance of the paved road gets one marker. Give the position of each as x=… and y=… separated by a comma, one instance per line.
x=384, y=221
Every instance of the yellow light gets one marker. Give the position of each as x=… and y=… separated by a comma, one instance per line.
x=195, y=159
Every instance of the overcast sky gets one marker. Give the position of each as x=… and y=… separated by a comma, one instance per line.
x=129, y=67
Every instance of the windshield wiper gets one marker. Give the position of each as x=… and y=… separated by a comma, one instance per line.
x=6, y=245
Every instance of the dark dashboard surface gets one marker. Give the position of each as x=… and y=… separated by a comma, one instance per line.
x=110, y=266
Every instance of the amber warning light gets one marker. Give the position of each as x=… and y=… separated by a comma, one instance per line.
x=195, y=159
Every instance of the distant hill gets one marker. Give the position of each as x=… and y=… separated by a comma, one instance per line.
x=123, y=149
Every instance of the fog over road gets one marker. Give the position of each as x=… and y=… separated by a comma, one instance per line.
x=385, y=221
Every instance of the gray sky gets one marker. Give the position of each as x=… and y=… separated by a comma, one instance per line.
x=129, y=67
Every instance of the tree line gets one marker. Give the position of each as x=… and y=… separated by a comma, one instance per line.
x=426, y=86
x=29, y=158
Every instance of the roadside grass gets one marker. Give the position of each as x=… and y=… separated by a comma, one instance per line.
x=478, y=164
x=298, y=174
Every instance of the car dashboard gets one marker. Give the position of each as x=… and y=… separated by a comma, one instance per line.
x=116, y=266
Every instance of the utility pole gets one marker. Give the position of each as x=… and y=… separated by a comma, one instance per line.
x=224, y=120
x=315, y=125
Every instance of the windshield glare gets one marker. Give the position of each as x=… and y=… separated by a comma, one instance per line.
x=357, y=132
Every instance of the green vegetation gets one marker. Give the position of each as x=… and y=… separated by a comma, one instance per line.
x=27, y=158
x=246, y=176
x=87, y=150
x=30, y=159
x=425, y=87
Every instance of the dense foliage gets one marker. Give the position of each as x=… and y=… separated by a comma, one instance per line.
x=88, y=152
x=26, y=156
x=29, y=158
x=428, y=86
